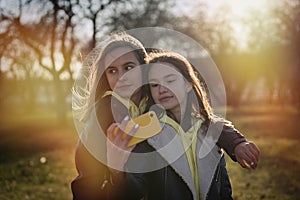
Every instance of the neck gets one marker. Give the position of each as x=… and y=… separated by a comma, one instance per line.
x=136, y=98
x=179, y=111
x=176, y=113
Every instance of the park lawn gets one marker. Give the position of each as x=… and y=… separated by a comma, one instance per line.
x=37, y=157
x=278, y=174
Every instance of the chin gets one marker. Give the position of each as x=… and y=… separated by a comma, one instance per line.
x=166, y=107
x=125, y=95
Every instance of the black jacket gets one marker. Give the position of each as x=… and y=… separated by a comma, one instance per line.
x=92, y=176
x=166, y=183
x=171, y=178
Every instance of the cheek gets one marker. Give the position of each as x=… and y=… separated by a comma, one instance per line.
x=138, y=80
x=154, y=94
x=111, y=81
x=179, y=93
x=135, y=76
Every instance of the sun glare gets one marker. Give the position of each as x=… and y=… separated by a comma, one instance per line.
x=239, y=10
x=237, y=13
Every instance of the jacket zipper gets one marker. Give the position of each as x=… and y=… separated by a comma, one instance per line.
x=165, y=182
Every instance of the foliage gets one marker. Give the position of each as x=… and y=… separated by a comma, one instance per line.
x=48, y=39
x=42, y=165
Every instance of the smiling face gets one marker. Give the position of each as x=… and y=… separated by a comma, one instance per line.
x=120, y=72
x=168, y=88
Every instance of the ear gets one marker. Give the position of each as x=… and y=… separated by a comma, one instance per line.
x=188, y=87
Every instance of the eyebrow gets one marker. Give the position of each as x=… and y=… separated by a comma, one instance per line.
x=129, y=62
x=167, y=76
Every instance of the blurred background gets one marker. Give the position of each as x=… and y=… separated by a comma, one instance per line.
x=255, y=45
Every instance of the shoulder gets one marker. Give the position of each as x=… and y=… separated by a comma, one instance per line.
x=221, y=122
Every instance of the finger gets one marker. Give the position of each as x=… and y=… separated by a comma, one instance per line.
x=253, y=165
x=124, y=123
x=241, y=159
x=111, y=131
x=128, y=129
x=111, y=127
x=252, y=161
x=251, y=153
x=130, y=136
x=121, y=139
x=255, y=150
x=132, y=132
x=245, y=160
x=248, y=164
x=247, y=155
x=244, y=164
x=115, y=131
x=255, y=157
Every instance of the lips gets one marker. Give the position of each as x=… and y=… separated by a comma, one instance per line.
x=122, y=87
x=165, y=98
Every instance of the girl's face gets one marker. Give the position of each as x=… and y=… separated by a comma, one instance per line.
x=118, y=62
x=168, y=87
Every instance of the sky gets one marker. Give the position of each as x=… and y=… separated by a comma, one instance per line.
x=237, y=10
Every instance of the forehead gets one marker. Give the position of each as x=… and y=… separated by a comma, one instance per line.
x=119, y=56
x=162, y=70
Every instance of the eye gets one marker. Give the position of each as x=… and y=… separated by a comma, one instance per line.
x=171, y=80
x=111, y=71
x=153, y=85
x=129, y=67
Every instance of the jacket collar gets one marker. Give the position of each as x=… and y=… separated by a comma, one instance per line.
x=169, y=145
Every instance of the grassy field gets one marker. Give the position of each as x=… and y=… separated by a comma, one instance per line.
x=277, y=134
x=37, y=156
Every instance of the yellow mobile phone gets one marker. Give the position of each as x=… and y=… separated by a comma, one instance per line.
x=148, y=127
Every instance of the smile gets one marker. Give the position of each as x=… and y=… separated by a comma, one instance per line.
x=123, y=86
x=165, y=99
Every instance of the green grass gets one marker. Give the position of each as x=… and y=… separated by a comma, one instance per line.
x=278, y=174
x=37, y=156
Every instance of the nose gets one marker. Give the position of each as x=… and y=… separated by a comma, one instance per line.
x=122, y=75
x=162, y=89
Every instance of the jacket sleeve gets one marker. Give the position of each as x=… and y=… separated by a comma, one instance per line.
x=229, y=139
x=91, y=175
x=90, y=184
x=133, y=186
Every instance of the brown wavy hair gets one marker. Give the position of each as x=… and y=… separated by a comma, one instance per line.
x=198, y=105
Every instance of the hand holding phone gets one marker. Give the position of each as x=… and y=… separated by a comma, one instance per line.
x=148, y=127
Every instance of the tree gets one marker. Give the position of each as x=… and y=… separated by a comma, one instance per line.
x=50, y=39
x=49, y=33
x=288, y=16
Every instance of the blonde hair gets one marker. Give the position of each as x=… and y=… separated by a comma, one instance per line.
x=90, y=85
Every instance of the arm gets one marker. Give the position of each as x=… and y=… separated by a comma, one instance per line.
x=247, y=154
x=96, y=181
x=238, y=148
x=91, y=175
x=128, y=185
x=229, y=139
